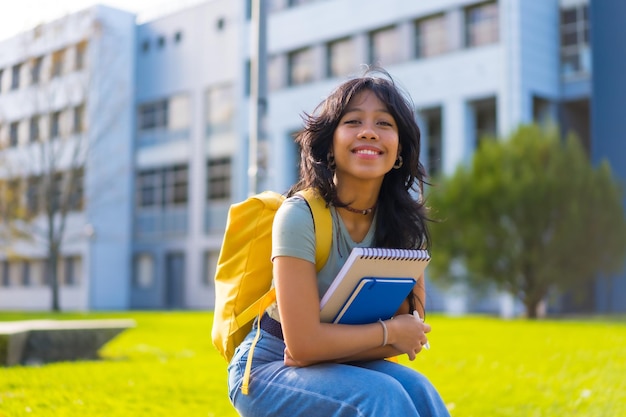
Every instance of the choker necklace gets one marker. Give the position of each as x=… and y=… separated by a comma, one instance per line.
x=363, y=212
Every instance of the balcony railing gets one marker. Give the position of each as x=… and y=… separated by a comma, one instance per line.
x=156, y=223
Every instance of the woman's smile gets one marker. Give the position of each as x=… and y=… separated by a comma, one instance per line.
x=367, y=152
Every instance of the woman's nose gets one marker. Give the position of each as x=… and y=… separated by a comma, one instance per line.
x=368, y=132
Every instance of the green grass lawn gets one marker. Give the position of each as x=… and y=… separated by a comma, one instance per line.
x=166, y=366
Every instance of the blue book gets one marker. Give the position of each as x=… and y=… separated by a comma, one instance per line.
x=374, y=299
x=372, y=263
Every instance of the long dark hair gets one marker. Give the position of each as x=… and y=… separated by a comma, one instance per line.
x=401, y=214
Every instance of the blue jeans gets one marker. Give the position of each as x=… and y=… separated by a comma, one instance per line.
x=367, y=389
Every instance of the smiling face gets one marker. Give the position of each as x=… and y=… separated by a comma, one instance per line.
x=365, y=142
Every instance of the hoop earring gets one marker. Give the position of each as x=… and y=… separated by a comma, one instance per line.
x=330, y=159
x=398, y=163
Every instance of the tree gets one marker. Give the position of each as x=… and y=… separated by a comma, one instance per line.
x=12, y=212
x=529, y=214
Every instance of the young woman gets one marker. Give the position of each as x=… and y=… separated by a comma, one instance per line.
x=360, y=150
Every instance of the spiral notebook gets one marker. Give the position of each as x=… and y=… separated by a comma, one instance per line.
x=374, y=263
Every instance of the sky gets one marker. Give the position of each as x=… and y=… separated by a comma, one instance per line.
x=19, y=15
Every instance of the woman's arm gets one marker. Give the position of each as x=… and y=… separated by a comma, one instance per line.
x=310, y=341
x=419, y=294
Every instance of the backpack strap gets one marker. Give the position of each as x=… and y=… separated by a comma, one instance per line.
x=322, y=223
x=263, y=304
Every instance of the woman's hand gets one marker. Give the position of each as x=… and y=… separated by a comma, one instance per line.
x=407, y=334
x=290, y=361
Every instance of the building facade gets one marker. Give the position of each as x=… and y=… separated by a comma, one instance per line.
x=66, y=133
x=472, y=68
x=188, y=81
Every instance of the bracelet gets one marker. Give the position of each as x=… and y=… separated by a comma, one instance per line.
x=384, y=332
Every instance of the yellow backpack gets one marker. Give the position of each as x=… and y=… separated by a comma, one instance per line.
x=244, y=271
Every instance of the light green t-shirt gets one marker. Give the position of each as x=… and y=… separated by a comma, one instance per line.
x=293, y=235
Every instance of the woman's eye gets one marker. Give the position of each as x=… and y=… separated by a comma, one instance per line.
x=350, y=122
x=385, y=123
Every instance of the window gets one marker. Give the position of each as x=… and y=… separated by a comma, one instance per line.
x=542, y=110
x=4, y=270
x=15, y=72
x=178, y=112
x=301, y=65
x=148, y=188
x=165, y=114
x=11, y=191
x=341, y=57
x=1, y=73
x=384, y=46
x=430, y=36
x=153, y=115
x=481, y=23
x=36, y=272
x=575, y=49
x=35, y=72
x=76, y=189
x=81, y=52
x=60, y=184
x=56, y=192
x=275, y=73
x=220, y=109
x=14, y=134
x=55, y=124
x=79, y=119
x=33, y=134
x=33, y=189
x=178, y=36
x=57, y=63
x=15, y=273
x=144, y=270
x=162, y=187
x=433, y=128
x=218, y=178
x=161, y=41
x=68, y=268
x=145, y=46
x=485, y=122
x=71, y=270
x=46, y=273
x=175, y=187
x=25, y=273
